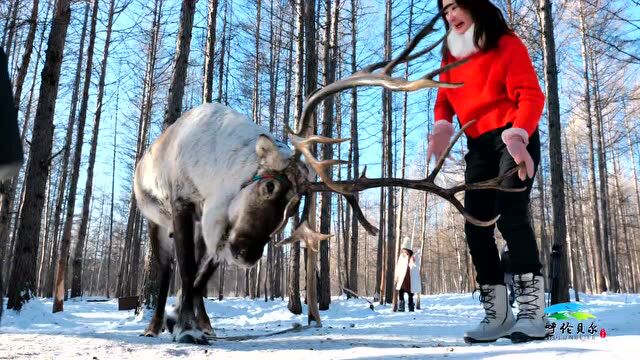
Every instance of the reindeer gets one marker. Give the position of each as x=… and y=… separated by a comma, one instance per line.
x=216, y=173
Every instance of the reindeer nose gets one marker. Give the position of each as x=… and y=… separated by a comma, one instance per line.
x=247, y=249
x=238, y=251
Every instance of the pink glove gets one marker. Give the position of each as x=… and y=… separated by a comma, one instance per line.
x=439, y=139
x=517, y=140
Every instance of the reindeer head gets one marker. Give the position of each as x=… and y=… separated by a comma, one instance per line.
x=258, y=208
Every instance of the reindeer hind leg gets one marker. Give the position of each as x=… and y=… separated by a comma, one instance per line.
x=164, y=262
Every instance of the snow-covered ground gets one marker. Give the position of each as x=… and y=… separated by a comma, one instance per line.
x=97, y=330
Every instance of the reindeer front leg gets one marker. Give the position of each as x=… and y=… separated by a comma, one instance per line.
x=214, y=223
x=200, y=288
x=187, y=329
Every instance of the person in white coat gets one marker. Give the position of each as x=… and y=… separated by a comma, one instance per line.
x=407, y=276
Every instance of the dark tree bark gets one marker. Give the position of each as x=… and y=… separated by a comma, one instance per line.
x=608, y=249
x=222, y=270
x=295, y=305
x=22, y=283
x=150, y=285
x=355, y=153
x=560, y=283
x=183, y=44
x=210, y=51
x=255, y=112
x=223, y=51
x=388, y=118
x=26, y=57
x=599, y=271
x=327, y=153
x=10, y=27
x=59, y=286
x=65, y=159
x=76, y=283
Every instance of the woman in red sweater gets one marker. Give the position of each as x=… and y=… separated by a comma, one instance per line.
x=501, y=92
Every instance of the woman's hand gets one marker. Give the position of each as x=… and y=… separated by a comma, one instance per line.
x=516, y=140
x=439, y=139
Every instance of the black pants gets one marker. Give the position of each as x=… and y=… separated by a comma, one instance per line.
x=401, y=296
x=487, y=158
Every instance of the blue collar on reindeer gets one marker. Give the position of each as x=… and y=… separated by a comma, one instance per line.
x=265, y=176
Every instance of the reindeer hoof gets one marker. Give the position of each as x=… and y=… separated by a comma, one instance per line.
x=153, y=329
x=192, y=336
x=149, y=333
x=206, y=327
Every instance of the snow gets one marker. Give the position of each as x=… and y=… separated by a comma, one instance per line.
x=97, y=330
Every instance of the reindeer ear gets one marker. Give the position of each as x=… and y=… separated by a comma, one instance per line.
x=269, y=154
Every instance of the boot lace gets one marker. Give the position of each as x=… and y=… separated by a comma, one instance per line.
x=526, y=296
x=487, y=297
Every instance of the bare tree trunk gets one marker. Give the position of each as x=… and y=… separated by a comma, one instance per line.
x=247, y=272
x=10, y=27
x=210, y=52
x=587, y=240
x=59, y=286
x=388, y=118
x=560, y=284
x=255, y=112
x=327, y=153
x=311, y=79
x=76, y=283
x=22, y=282
x=574, y=254
x=223, y=50
x=150, y=288
x=295, y=305
x=600, y=280
x=223, y=269
x=403, y=163
x=424, y=217
x=355, y=153
x=134, y=272
x=45, y=242
x=631, y=284
x=237, y=291
x=544, y=240
x=183, y=44
x=636, y=190
x=26, y=57
x=608, y=250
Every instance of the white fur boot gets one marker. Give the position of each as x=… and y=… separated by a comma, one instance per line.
x=530, y=321
x=498, y=319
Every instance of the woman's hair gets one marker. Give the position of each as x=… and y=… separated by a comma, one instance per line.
x=409, y=251
x=490, y=24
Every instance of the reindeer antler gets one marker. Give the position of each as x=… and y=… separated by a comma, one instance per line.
x=368, y=77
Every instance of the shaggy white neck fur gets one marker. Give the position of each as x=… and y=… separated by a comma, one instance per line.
x=462, y=45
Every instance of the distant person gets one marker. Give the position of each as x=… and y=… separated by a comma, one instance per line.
x=407, y=277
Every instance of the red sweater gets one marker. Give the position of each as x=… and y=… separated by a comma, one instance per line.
x=500, y=87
